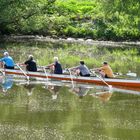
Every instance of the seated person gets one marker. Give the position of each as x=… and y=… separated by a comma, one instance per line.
x=56, y=66
x=8, y=61
x=31, y=64
x=82, y=69
x=105, y=71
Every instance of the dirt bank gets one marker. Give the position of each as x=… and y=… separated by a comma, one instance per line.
x=43, y=39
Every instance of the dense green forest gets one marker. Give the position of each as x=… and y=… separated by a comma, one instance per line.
x=97, y=19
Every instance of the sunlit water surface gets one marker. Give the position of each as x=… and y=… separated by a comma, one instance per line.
x=55, y=111
x=42, y=111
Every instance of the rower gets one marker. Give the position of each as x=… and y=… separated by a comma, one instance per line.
x=31, y=64
x=56, y=66
x=8, y=61
x=105, y=70
x=82, y=69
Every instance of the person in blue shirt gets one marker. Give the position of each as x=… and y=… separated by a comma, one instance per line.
x=8, y=61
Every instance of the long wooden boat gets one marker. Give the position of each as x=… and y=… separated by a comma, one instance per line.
x=92, y=80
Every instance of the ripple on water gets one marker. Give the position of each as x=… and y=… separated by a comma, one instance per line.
x=13, y=132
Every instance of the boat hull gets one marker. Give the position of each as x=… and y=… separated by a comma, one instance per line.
x=91, y=80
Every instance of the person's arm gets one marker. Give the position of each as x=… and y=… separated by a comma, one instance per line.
x=50, y=65
x=22, y=64
x=98, y=69
x=74, y=68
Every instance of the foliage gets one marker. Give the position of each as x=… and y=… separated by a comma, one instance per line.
x=97, y=19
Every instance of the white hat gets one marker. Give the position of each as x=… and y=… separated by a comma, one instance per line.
x=30, y=56
x=5, y=53
x=56, y=58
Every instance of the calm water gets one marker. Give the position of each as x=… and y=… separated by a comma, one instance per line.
x=56, y=111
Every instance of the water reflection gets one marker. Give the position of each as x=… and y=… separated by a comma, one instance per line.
x=104, y=96
x=33, y=112
x=32, y=101
x=80, y=91
x=30, y=88
x=54, y=89
x=6, y=83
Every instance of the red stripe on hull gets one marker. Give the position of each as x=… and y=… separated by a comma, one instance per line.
x=128, y=83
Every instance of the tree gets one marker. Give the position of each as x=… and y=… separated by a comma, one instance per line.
x=14, y=12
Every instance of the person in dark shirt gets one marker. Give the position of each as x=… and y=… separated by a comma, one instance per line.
x=31, y=64
x=56, y=66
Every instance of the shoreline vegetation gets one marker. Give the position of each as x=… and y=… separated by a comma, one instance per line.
x=109, y=20
x=122, y=56
x=69, y=40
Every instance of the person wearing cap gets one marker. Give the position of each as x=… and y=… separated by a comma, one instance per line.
x=105, y=70
x=82, y=69
x=56, y=66
x=31, y=64
x=8, y=61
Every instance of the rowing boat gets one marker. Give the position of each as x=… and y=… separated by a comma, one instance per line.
x=92, y=80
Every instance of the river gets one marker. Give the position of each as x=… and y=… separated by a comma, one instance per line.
x=56, y=111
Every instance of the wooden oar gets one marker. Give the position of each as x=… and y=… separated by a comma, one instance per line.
x=44, y=68
x=2, y=72
x=110, y=86
x=27, y=77
x=71, y=78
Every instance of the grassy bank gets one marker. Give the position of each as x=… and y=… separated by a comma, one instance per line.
x=121, y=59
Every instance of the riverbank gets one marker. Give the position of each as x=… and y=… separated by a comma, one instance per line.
x=44, y=39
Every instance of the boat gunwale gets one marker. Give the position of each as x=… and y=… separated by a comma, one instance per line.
x=95, y=80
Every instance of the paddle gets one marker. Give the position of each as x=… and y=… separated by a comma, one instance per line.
x=2, y=72
x=27, y=77
x=44, y=68
x=110, y=86
x=71, y=78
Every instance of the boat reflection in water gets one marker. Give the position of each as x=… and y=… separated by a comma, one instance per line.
x=101, y=92
x=6, y=83
x=32, y=101
x=54, y=90
x=80, y=91
x=30, y=88
x=104, y=96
